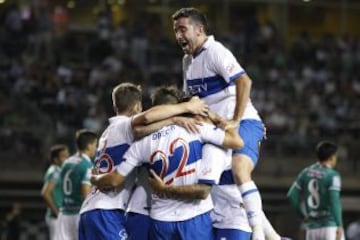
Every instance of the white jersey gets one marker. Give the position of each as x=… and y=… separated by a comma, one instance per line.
x=113, y=143
x=175, y=155
x=228, y=212
x=140, y=200
x=211, y=74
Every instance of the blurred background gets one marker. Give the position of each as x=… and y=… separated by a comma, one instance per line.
x=60, y=59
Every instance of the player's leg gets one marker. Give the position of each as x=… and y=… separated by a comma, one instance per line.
x=231, y=234
x=68, y=227
x=102, y=225
x=133, y=221
x=196, y=228
x=243, y=163
x=51, y=224
x=329, y=233
x=161, y=230
x=269, y=230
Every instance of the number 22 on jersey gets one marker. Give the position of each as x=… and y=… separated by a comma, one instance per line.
x=165, y=160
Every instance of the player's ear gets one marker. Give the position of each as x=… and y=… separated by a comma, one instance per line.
x=115, y=109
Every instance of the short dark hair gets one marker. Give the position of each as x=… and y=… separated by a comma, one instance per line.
x=125, y=96
x=194, y=14
x=325, y=149
x=83, y=138
x=165, y=95
x=55, y=151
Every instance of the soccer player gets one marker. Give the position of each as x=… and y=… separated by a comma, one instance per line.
x=51, y=190
x=175, y=155
x=211, y=72
x=316, y=195
x=75, y=183
x=128, y=124
x=228, y=216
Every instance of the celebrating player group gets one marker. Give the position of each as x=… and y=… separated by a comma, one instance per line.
x=179, y=170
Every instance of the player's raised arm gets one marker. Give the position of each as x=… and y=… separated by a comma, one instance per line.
x=161, y=112
x=243, y=87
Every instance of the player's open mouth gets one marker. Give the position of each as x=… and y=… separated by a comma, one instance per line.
x=183, y=44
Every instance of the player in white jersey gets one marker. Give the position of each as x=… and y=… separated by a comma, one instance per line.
x=138, y=209
x=175, y=155
x=211, y=72
x=51, y=190
x=75, y=183
x=110, y=207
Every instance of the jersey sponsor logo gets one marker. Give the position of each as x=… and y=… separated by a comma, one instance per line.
x=197, y=88
x=162, y=133
x=315, y=173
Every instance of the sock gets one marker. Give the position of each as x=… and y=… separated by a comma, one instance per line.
x=252, y=203
x=269, y=231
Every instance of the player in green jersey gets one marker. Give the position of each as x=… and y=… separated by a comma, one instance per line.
x=75, y=182
x=51, y=190
x=316, y=195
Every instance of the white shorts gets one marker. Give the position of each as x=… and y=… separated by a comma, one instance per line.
x=228, y=212
x=68, y=226
x=324, y=233
x=52, y=224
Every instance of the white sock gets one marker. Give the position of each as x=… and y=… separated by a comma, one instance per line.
x=252, y=203
x=269, y=231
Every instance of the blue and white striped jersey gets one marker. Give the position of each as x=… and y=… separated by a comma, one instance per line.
x=210, y=75
x=113, y=143
x=175, y=155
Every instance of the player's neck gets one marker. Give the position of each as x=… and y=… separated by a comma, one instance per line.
x=200, y=46
x=326, y=164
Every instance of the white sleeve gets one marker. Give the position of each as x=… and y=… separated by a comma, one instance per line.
x=123, y=130
x=132, y=159
x=213, y=163
x=225, y=64
x=211, y=134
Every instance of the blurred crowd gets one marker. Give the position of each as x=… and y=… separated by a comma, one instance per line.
x=55, y=81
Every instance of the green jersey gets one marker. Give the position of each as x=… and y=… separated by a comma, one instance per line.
x=75, y=172
x=53, y=175
x=318, y=185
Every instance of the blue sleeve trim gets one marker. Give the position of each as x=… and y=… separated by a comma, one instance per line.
x=232, y=78
x=249, y=192
x=206, y=181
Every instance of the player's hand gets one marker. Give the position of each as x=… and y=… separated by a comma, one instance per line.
x=95, y=171
x=190, y=124
x=156, y=183
x=197, y=106
x=339, y=233
x=217, y=120
x=232, y=124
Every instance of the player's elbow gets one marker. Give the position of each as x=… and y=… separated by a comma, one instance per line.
x=138, y=132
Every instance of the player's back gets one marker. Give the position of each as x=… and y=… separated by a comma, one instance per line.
x=113, y=143
x=74, y=173
x=317, y=181
x=175, y=155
